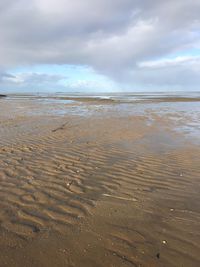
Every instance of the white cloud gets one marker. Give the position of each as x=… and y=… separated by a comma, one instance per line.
x=171, y=62
x=118, y=38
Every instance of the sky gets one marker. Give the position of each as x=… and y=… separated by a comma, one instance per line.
x=99, y=45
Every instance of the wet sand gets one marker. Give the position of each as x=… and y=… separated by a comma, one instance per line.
x=85, y=184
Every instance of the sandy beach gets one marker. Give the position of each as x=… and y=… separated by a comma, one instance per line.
x=99, y=183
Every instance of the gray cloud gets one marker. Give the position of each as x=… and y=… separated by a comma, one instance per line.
x=31, y=82
x=114, y=37
x=5, y=76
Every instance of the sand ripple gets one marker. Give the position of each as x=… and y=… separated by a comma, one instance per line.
x=147, y=200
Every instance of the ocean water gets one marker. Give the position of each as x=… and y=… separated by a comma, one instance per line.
x=120, y=96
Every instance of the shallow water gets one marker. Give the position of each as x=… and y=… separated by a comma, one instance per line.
x=128, y=104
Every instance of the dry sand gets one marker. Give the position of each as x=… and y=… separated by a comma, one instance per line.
x=105, y=189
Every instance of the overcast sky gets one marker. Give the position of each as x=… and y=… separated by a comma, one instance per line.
x=99, y=45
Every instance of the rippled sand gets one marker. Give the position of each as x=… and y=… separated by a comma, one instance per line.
x=96, y=187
